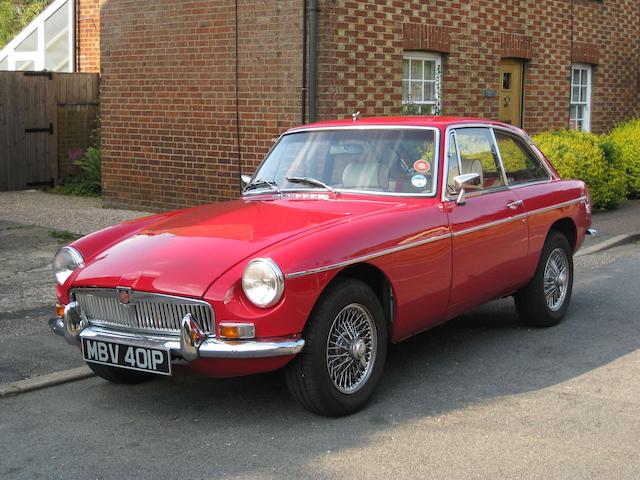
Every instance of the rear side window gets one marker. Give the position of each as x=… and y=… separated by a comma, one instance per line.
x=520, y=164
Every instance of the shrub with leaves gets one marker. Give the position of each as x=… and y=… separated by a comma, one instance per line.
x=89, y=180
x=582, y=155
x=15, y=15
x=623, y=144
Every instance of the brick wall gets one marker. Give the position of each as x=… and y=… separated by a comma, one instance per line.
x=168, y=95
x=169, y=80
x=88, y=31
x=362, y=44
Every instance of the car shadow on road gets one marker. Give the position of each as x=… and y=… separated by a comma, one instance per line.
x=483, y=355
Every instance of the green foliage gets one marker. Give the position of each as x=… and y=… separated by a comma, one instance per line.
x=63, y=236
x=583, y=155
x=623, y=145
x=88, y=183
x=15, y=15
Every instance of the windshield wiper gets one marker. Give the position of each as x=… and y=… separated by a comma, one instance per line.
x=263, y=183
x=311, y=181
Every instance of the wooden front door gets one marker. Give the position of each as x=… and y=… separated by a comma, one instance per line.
x=511, y=73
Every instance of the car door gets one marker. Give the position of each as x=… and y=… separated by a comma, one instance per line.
x=489, y=231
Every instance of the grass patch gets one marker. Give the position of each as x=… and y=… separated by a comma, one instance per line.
x=63, y=236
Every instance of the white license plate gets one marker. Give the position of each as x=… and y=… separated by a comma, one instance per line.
x=144, y=359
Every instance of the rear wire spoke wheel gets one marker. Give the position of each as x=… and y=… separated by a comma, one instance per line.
x=544, y=301
x=345, y=349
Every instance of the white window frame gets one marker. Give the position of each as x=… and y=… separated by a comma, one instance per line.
x=424, y=57
x=38, y=56
x=586, y=70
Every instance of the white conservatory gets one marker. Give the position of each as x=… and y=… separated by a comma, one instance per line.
x=47, y=43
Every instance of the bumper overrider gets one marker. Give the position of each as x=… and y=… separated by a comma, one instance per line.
x=191, y=344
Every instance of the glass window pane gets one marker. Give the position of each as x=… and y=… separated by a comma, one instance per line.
x=405, y=90
x=573, y=112
x=416, y=92
x=575, y=94
x=583, y=94
x=416, y=69
x=56, y=24
x=520, y=164
x=429, y=71
x=405, y=68
x=29, y=44
x=4, y=63
x=576, y=77
x=25, y=65
x=57, y=53
x=477, y=155
x=430, y=91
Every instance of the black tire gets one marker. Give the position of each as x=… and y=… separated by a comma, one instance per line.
x=531, y=302
x=119, y=375
x=308, y=376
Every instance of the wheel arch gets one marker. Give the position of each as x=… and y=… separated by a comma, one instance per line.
x=378, y=281
x=567, y=227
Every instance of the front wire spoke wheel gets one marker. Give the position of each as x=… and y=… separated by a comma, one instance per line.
x=351, y=348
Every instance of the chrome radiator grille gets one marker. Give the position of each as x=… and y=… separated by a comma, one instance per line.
x=144, y=311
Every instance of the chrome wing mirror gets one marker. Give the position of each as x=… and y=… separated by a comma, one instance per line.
x=462, y=180
x=245, y=179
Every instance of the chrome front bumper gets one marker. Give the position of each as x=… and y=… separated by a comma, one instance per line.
x=190, y=345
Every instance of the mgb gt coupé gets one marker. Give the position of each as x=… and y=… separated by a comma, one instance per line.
x=350, y=235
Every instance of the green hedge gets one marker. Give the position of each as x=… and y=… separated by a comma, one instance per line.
x=624, y=147
x=609, y=164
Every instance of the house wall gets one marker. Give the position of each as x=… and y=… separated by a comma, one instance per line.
x=88, y=32
x=362, y=44
x=168, y=94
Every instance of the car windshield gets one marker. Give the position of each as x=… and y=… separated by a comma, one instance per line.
x=396, y=161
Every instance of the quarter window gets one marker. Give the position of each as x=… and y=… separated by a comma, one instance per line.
x=580, y=110
x=478, y=154
x=421, y=83
x=520, y=164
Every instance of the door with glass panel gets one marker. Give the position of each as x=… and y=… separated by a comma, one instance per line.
x=511, y=90
x=490, y=234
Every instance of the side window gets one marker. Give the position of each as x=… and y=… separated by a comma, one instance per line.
x=520, y=164
x=478, y=154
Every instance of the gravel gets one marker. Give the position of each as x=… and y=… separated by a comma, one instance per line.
x=80, y=215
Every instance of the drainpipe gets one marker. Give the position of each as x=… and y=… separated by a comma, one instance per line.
x=303, y=92
x=313, y=60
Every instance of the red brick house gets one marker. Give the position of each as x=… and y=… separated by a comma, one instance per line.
x=195, y=92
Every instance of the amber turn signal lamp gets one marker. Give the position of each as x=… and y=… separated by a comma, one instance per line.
x=237, y=331
x=59, y=310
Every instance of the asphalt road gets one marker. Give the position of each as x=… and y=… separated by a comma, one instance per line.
x=480, y=397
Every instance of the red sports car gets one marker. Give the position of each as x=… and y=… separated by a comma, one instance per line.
x=350, y=235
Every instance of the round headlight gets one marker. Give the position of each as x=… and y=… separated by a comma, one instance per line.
x=65, y=262
x=263, y=282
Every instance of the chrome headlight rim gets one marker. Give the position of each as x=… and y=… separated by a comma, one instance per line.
x=278, y=275
x=63, y=272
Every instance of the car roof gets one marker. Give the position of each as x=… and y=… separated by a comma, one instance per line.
x=421, y=121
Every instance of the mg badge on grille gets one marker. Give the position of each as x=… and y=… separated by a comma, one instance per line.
x=124, y=295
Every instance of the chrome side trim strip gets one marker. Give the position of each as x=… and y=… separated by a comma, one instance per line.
x=517, y=217
x=431, y=240
x=370, y=256
x=558, y=205
x=489, y=225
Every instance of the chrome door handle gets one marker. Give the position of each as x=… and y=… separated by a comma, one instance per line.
x=514, y=204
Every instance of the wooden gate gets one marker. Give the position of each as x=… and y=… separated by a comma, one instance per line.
x=29, y=135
